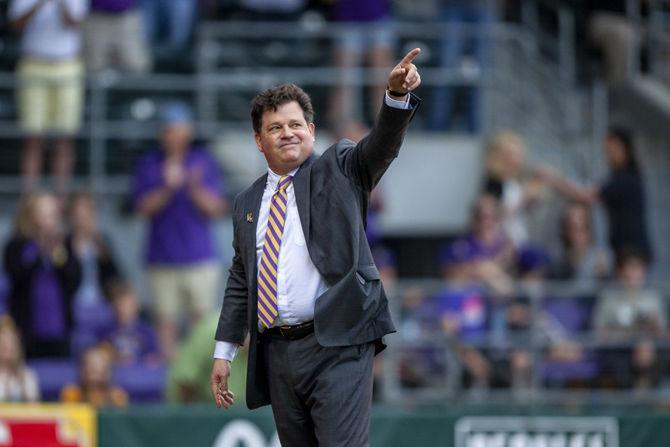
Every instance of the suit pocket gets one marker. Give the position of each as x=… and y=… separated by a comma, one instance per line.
x=368, y=272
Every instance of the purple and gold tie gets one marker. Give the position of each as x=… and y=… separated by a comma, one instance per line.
x=267, y=271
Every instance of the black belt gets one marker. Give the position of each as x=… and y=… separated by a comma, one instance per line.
x=292, y=332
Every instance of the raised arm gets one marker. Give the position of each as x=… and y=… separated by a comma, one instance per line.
x=368, y=160
x=586, y=195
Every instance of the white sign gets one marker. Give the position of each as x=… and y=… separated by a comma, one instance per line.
x=523, y=431
x=242, y=433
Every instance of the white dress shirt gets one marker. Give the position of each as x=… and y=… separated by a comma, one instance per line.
x=299, y=283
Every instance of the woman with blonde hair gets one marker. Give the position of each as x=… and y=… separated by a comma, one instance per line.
x=504, y=179
x=43, y=276
x=18, y=383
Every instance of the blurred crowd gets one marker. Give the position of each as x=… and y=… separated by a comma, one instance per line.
x=61, y=41
x=68, y=302
x=516, y=314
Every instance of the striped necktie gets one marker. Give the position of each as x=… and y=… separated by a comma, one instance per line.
x=267, y=271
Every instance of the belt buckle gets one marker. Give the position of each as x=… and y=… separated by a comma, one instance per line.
x=284, y=331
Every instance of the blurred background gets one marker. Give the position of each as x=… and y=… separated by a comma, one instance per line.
x=521, y=233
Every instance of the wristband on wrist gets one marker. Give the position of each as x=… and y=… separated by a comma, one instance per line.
x=395, y=93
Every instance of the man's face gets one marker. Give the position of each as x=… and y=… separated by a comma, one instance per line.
x=285, y=138
x=176, y=137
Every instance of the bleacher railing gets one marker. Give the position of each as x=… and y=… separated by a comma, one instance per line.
x=120, y=110
x=424, y=364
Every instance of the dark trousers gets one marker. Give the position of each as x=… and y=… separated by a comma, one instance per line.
x=320, y=396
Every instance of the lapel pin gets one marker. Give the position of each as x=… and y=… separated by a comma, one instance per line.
x=250, y=217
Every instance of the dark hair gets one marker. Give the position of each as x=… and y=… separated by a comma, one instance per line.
x=117, y=288
x=625, y=137
x=630, y=253
x=276, y=96
x=563, y=229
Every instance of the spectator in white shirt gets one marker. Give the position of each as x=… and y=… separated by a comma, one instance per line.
x=50, y=75
x=18, y=383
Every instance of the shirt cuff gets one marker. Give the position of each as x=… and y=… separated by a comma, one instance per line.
x=225, y=350
x=397, y=103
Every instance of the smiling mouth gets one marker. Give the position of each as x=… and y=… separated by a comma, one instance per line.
x=287, y=144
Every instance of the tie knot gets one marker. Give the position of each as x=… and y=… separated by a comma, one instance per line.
x=284, y=181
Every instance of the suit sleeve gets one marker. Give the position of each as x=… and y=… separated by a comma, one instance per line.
x=232, y=325
x=367, y=161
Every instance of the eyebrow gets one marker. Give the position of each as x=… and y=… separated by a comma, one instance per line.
x=291, y=121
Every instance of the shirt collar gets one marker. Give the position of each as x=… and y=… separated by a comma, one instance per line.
x=273, y=178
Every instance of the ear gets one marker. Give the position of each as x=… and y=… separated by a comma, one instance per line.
x=312, y=129
x=257, y=138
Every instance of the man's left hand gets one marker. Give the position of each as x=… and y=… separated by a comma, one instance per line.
x=405, y=77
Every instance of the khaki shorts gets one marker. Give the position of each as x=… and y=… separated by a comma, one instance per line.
x=179, y=289
x=116, y=41
x=50, y=96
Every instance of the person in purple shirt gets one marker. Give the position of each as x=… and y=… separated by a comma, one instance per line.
x=43, y=276
x=178, y=187
x=114, y=37
x=132, y=340
x=461, y=310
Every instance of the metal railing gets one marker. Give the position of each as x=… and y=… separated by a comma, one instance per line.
x=423, y=363
x=221, y=88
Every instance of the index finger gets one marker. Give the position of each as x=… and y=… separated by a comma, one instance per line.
x=409, y=57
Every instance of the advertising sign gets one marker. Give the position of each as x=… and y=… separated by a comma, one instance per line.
x=24, y=425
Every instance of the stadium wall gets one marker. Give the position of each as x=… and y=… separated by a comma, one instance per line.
x=479, y=426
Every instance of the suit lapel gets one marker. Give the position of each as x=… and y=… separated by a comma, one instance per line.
x=301, y=188
x=253, y=210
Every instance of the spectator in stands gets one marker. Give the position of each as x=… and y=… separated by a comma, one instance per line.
x=18, y=383
x=44, y=274
x=50, y=92
x=99, y=270
x=629, y=314
x=536, y=314
x=114, y=37
x=622, y=194
x=630, y=309
x=415, y=321
x=465, y=51
x=415, y=364
x=178, y=187
x=582, y=261
x=95, y=385
x=367, y=37
x=614, y=34
x=132, y=341
x=492, y=251
x=647, y=366
x=505, y=180
x=461, y=308
x=386, y=263
x=188, y=376
x=168, y=25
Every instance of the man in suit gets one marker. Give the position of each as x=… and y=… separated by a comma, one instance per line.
x=303, y=283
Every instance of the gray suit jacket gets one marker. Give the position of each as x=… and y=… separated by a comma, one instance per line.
x=332, y=193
